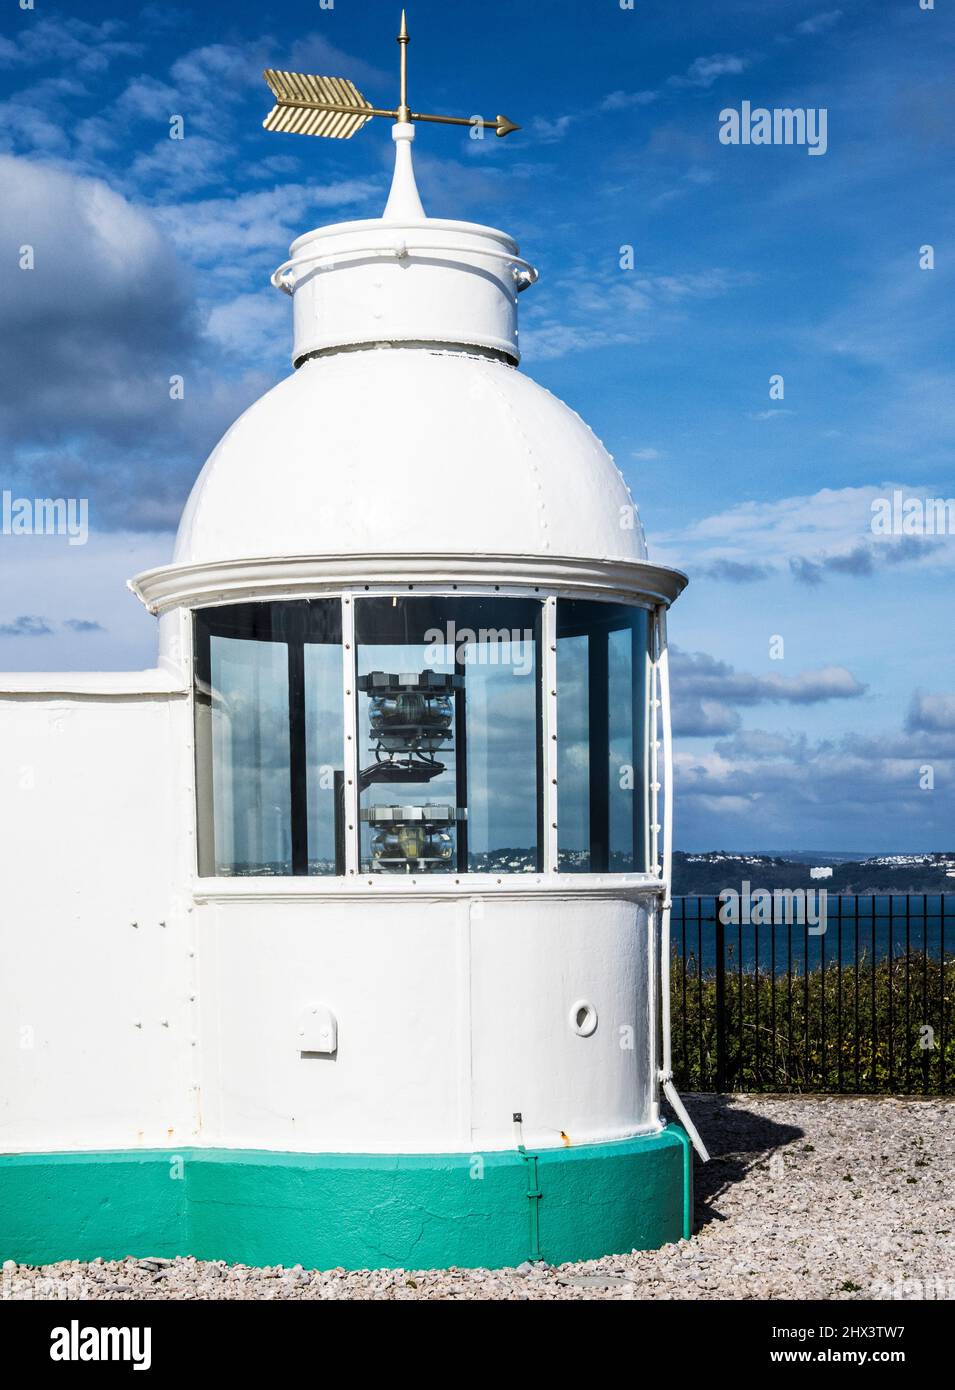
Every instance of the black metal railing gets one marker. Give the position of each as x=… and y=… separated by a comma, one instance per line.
x=766, y=998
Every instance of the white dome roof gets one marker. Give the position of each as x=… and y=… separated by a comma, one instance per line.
x=406, y=449
x=409, y=451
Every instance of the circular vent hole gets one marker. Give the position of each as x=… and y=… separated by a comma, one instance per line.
x=583, y=1018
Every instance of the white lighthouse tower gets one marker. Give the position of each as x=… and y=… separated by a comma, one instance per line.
x=353, y=947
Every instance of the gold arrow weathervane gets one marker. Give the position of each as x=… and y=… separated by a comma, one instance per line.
x=334, y=107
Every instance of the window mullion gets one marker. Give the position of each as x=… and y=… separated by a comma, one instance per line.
x=298, y=755
x=657, y=790
x=549, y=790
x=350, y=716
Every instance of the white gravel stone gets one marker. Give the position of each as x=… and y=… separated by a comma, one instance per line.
x=833, y=1197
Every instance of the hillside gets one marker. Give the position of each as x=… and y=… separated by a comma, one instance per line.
x=708, y=874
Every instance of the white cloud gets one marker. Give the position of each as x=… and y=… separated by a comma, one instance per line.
x=146, y=98
x=251, y=324
x=584, y=309
x=695, y=718
x=549, y=132
x=225, y=232
x=92, y=336
x=708, y=694
x=105, y=308
x=814, y=534
x=625, y=101
x=174, y=168
x=932, y=713
x=79, y=46
x=761, y=788
x=549, y=341
x=819, y=23
x=703, y=72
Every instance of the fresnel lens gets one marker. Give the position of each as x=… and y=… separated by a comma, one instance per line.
x=411, y=719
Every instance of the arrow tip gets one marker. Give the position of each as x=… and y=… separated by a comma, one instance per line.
x=504, y=127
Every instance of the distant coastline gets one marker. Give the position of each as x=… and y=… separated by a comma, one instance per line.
x=707, y=874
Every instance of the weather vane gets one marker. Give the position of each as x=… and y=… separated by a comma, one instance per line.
x=334, y=107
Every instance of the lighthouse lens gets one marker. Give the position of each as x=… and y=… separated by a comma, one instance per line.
x=448, y=707
x=411, y=722
x=412, y=848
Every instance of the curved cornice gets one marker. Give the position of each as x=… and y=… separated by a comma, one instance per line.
x=231, y=581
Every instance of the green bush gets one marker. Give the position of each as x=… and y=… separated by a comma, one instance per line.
x=832, y=1029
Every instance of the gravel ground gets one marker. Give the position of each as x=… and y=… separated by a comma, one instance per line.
x=805, y=1197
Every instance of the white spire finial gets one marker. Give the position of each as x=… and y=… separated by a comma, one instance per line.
x=404, y=202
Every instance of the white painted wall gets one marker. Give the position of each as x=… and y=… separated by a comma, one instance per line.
x=452, y=1015
x=91, y=831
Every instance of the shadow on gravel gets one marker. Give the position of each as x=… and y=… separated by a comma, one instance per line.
x=737, y=1140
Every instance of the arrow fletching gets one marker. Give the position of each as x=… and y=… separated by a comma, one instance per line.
x=303, y=101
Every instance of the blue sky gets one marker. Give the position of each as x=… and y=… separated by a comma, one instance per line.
x=152, y=257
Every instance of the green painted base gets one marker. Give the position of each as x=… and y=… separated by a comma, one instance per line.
x=358, y=1211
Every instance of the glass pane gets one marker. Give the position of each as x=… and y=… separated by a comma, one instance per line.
x=602, y=690
x=573, y=757
x=624, y=856
x=251, y=785
x=325, y=756
x=269, y=738
x=448, y=734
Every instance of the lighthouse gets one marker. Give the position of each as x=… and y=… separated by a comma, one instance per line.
x=340, y=937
